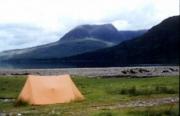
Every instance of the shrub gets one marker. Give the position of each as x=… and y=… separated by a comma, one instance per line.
x=105, y=114
x=129, y=91
x=21, y=103
x=163, y=89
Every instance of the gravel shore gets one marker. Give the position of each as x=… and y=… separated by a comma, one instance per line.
x=105, y=72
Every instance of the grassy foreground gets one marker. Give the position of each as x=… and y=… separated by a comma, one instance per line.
x=99, y=92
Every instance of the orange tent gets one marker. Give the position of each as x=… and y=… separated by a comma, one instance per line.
x=41, y=90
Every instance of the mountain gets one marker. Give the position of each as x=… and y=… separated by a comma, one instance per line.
x=82, y=39
x=56, y=50
x=106, y=32
x=159, y=45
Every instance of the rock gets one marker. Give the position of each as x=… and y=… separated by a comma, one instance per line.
x=19, y=114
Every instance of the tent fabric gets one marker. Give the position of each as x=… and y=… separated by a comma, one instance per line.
x=41, y=90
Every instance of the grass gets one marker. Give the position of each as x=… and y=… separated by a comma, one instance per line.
x=133, y=91
x=98, y=92
x=166, y=110
x=162, y=110
x=11, y=86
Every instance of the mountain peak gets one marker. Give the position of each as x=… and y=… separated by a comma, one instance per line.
x=89, y=26
x=105, y=32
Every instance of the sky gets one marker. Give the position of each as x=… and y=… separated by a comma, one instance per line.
x=27, y=23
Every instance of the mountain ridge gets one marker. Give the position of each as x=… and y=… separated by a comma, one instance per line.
x=66, y=46
x=106, y=32
x=159, y=45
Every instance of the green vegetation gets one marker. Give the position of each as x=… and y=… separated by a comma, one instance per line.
x=165, y=110
x=98, y=92
x=11, y=86
x=133, y=91
x=162, y=110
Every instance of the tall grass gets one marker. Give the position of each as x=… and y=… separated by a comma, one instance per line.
x=134, y=91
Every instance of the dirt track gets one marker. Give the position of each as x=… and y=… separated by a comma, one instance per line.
x=105, y=72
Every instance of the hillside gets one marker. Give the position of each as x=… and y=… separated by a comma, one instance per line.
x=82, y=39
x=160, y=45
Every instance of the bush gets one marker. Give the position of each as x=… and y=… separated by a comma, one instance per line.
x=105, y=114
x=129, y=91
x=21, y=103
x=163, y=89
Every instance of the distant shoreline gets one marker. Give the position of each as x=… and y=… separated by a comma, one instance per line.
x=140, y=71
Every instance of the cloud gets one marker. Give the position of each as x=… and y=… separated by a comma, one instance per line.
x=41, y=20
x=19, y=36
x=57, y=14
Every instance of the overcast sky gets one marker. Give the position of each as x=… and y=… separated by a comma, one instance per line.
x=26, y=23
